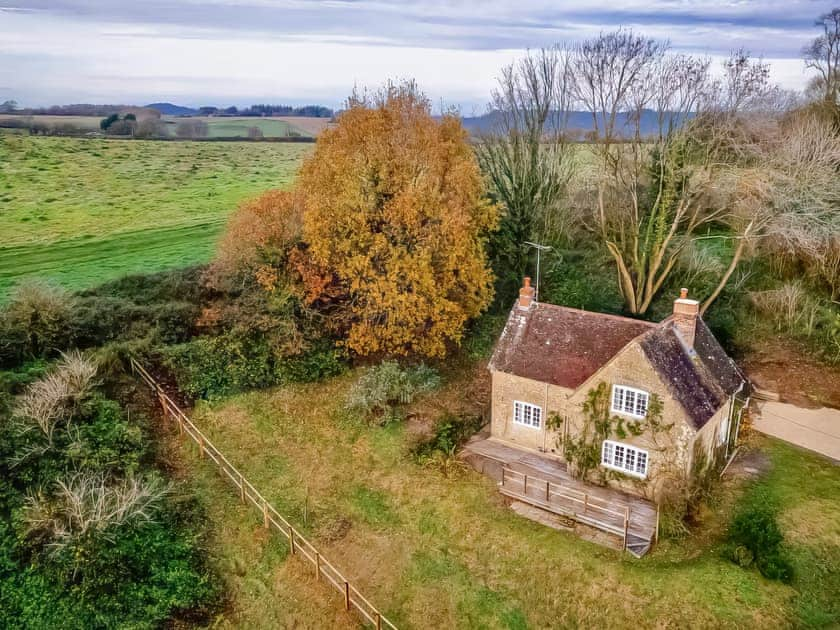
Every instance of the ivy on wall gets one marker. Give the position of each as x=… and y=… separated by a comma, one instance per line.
x=583, y=451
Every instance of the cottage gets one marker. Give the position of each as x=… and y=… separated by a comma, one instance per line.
x=618, y=410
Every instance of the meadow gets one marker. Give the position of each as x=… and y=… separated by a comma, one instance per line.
x=83, y=211
x=435, y=551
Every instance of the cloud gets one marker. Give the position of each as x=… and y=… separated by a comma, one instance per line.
x=232, y=51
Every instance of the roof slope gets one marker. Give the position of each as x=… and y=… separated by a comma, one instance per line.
x=562, y=346
x=717, y=362
x=686, y=377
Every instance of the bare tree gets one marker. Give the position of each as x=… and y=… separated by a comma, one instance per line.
x=191, y=129
x=611, y=75
x=526, y=157
x=648, y=198
x=823, y=55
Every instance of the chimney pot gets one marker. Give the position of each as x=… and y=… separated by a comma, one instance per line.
x=686, y=312
x=526, y=294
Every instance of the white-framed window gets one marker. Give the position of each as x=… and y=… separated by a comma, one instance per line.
x=625, y=458
x=629, y=401
x=527, y=414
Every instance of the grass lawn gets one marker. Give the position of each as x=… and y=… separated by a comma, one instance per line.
x=83, y=211
x=432, y=551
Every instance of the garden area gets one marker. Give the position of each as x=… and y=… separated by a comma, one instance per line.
x=438, y=546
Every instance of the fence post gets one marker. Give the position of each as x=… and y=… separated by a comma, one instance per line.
x=547, y=492
x=265, y=514
x=526, y=485
x=626, y=526
x=292, y=541
x=656, y=535
x=346, y=595
x=585, y=502
x=241, y=488
x=378, y=621
x=317, y=565
x=201, y=445
x=163, y=405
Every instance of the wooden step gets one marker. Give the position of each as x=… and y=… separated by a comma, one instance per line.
x=637, y=546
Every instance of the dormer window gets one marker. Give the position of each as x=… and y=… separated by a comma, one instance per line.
x=629, y=401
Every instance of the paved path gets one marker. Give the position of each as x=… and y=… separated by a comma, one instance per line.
x=815, y=429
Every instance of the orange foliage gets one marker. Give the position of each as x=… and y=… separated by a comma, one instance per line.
x=259, y=235
x=396, y=216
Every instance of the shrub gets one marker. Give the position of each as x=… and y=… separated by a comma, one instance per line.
x=439, y=452
x=34, y=323
x=482, y=335
x=212, y=367
x=322, y=362
x=755, y=536
x=382, y=390
x=450, y=433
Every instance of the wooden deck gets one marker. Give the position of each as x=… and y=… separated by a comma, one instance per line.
x=544, y=482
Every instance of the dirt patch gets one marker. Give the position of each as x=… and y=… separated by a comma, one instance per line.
x=786, y=368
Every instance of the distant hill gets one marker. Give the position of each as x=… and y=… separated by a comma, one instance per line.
x=169, y=109
x=579, y=121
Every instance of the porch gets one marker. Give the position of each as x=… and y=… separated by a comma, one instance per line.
x=544, y=482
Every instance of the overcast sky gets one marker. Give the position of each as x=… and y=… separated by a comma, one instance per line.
x=224, y=52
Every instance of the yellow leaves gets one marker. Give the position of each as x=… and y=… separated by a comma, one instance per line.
x=395, y=210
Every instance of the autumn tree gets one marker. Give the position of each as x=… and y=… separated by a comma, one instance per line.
x=395, y=222
x=259, y=236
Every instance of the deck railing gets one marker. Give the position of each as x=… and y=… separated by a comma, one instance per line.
x=550, y=494
x=299, y=546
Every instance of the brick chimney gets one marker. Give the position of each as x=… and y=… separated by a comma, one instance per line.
x=685, y=317
x=526, y=294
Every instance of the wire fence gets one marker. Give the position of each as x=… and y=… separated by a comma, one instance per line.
x=299, y=546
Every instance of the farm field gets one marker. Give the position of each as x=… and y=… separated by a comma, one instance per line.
x=432, y=551
x=217, y=126
x=82, y=211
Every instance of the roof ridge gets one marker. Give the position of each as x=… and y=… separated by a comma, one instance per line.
x=599, y=314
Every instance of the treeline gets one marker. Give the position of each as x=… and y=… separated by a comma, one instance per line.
x=310, y=111
x=77, y=109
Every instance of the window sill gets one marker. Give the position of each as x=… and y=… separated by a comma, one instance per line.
x=629, y=415
x=624, y=471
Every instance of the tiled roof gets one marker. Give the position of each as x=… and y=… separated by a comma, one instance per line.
x=559, y=345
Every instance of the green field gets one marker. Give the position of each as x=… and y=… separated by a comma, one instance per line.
x=217, y=126
x=83, y=211
x=238, y=127
x=438, y=552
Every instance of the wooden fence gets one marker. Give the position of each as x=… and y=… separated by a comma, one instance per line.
x=299, y=546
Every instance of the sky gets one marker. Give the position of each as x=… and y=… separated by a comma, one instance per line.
x=239, y=52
